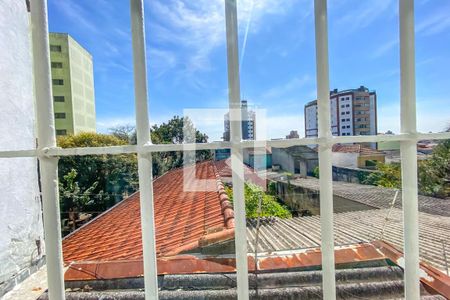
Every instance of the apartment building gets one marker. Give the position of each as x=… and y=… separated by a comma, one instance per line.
x=73, y=85
x=353, y=112
x=248, y=123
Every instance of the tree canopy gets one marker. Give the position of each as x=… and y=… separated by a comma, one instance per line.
x=433, y=173
x=171, y=132
x=95, y=182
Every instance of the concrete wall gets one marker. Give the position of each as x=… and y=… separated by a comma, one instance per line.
x=20, y=210
x=303, y=201
x=82, y=76
x=345, y=160
x=283, y=159
x=350, y=174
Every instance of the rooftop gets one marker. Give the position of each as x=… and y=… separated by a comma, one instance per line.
x=377, y=197
x=354, y=228
x=356, y=148
x=182, y=219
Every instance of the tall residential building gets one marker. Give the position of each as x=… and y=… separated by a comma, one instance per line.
x=73, y=85
x=353, y=112
x=248, y=123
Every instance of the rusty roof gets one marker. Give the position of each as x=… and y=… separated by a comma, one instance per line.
x=183, y=219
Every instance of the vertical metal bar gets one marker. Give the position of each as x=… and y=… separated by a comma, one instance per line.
x=409, y=149
x=324, y=126
x=46, y=139
x=237, y=165
x=144, y=160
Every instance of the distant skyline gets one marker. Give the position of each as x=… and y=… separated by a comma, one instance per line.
x=187, y=57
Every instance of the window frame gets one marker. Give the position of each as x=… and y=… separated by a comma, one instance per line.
x=56, y=65
x=47, y=152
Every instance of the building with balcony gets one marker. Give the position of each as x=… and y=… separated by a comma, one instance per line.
x=353, y=112
x=73, y=85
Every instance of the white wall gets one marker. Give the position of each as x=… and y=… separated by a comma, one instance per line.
x=344, y=160
x=20, y=209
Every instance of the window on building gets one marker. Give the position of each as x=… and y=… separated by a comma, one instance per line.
x=58, y=82
x=347, y=112
x=61, y=132
x=348, y=105
x=55, y=48
x=58, y=98
x=60, y=115
x=57, y=65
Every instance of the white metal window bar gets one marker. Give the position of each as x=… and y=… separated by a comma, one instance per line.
x=48, y=153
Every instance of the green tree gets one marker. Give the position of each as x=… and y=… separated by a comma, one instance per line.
x=71, y=196
x=171, y=132
x=316, y=172
x=269, y=205
x=434, y=173
x=387, y=175
x=102, y=178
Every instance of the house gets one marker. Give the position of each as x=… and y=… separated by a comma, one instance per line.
x=356, y=156
x=258, y=158
x=296, y=159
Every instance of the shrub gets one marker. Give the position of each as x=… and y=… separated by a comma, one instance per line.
x=269, y=206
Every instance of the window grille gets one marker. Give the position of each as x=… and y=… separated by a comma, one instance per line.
x=48, y=153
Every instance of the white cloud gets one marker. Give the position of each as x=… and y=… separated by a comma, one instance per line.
x=289, y=87
x=385, y=48
x=279, y=125
x=198, y=27
x=361, y=14
x=432, y=115
x=435, y=23
x=76, y=13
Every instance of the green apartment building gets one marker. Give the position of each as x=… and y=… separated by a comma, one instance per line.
x=73, y=85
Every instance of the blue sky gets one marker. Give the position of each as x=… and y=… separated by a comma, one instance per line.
x=187, y=57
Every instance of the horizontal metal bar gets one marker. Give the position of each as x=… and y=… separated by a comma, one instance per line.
x=282, y=143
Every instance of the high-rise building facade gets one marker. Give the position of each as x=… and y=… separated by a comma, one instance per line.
x=73, y=85
x=248, y=123
x=353, y=112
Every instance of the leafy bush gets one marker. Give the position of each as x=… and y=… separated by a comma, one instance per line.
x=388, y=175
x=316, y=172
x=269, y=205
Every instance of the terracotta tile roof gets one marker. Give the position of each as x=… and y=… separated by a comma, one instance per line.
x=355, y=148
x=183, y=219
x=224, y=169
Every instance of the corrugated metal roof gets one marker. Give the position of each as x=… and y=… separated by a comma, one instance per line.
x=353, y=228
x=375, y=196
